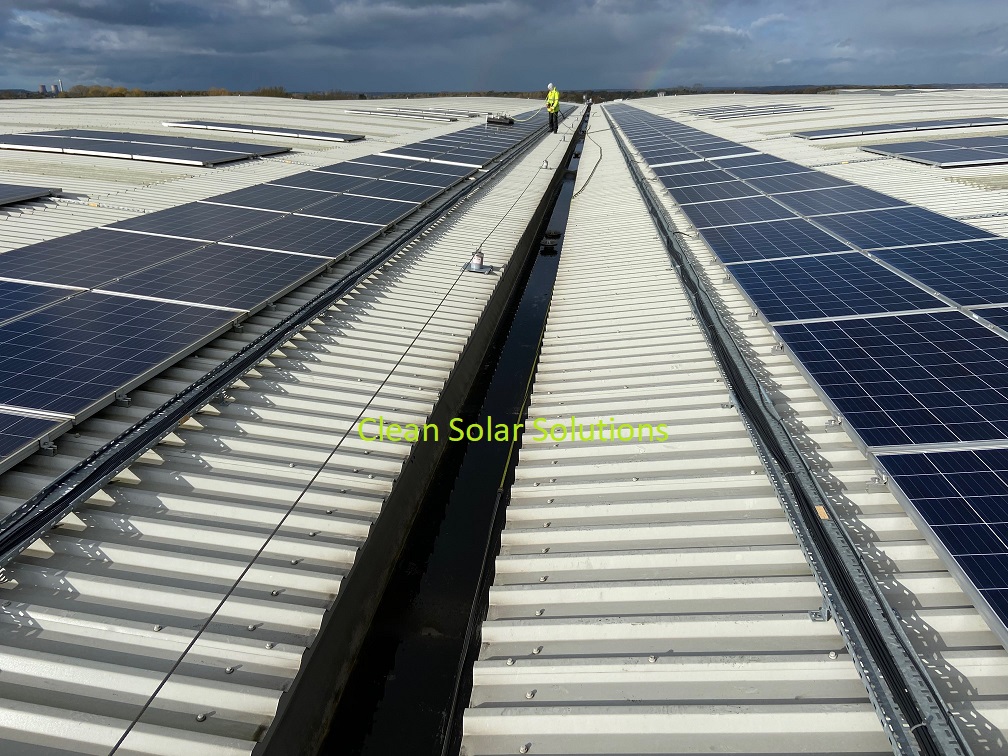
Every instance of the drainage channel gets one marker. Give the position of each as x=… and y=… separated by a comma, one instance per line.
x=413, y=677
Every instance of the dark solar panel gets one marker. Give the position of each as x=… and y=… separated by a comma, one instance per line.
x=892, y=128
x=16, y=299
x=331, y=136
x=844, y=199
x=910, y=379
x=392, y=162
x=308, y=236
x=963, y=497
x=828, y=286
x=18, y=432
x=996, y=315
x=271, y=197
x=90, y=258
x=905, y=226
x=797, y=182
x=948, y=153
x=395, y=190
x=699, y=178
x=223, y=276
x=708, y=192
x=198, y=220
x=364, y=170
x=380, y=212
x=76, y=353
x=427, y=178
x=971, y=273
x=760, y=241
x=11, y=193
x=730, y=212
x=781, y=168
x=321, y=181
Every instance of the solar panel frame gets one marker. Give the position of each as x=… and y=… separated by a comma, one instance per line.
x=709, y=192
x=18, y=298
x=20, y=435
x=971, y=273
x=321, y=181
x=270, y=197
x=776, y=239
x=387, y=189
x=797, y=182
x=11, y=194
x=845, y=199
x=735, y=211
x=200, y=221
x=298, y=234
x=900, y=227
x=349, y=207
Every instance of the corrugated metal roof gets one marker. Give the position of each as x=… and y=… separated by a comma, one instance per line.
x=650, y=597
x=196, y=579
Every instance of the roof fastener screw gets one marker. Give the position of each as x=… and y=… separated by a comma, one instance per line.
x=652, y=658
x=328, y=511
x=530, y=694
x=552, y=480
x=537, y=650
x=549, y=501
x=832, y=654
x=525, y=748
x=228, y=670
x=201, y=717
x=554, y=461
x=510, y=661
x=356, y=469
x=292, y=464
x=544, y=578
x=545, y=550
x=546, y=524
x=370, y=475
x=275, y=592
x=536, y=483
x=635, y=479
x=270, y=644
x=251, y=628
x=295, y=561
x=540, y=612
x=312, y=533
x=157, y=628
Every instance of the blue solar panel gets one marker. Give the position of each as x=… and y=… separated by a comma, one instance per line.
x=223, y=276
x=843, y=199
x=828, y=286
x=198, y=220
x=910, y=379
x=308, y=236
x=16, y=299
x=385, y=189
x=321, y=181
x=971, y=273
x=948, y=153
x=731, y=212
x=901, y=227
x=996, y=315
x=19, y=432
x=963, y=497
x=892, y=128
x=760, y=241
x=797, y=182
x=271, y=197
x=11, y=193
x=781, y=168
x=692, y=178
x=708, y=192
x=379, y=212
x=79, y=352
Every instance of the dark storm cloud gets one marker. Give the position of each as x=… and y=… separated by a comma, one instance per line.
x=505, y=44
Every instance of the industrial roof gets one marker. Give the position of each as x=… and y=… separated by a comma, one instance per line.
x=647, y=598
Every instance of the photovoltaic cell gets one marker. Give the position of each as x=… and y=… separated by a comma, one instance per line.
x=321, y=181
x=910, y=379
x=308, y=236
x=760, y=241
x=905, y=226
x=18, y=432
x=731, y=212
x=398, y=191
x=971, y=273
x=797, y=182
x=198, y=220
x=828, y=286
x=362, y=209
x=16, y=299
x=222, y=276
x=710, y=192
x=844, y=199
x=698, y=178
x=270, y=197
x=354, y=168
x=76, y=353
x=781, y=168
x=90, y=258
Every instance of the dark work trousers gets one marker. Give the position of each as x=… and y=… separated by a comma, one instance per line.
x=554, y=122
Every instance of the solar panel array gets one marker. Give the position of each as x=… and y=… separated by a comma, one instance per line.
x=132, y=146
x=896, y=312
x=293, y=133
x=13, y=193
x=948, y=153
x=88, y=315
x=896, y=128
x=724, y=112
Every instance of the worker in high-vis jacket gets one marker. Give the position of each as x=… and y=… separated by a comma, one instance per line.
x=553, y=107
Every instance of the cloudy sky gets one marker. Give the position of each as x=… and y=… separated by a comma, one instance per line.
x=389, y=45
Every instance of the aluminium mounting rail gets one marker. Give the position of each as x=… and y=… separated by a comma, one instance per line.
x=23, y=526
x=908, y=705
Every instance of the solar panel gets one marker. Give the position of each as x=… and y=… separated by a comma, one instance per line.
x=271, y=197
x=321, y=181
x=20, y=433
x=223, y=276
x=11, y=193
x=198, y=220
x=971, y=273
x=905, y=226
x=328, y=136
x=349, y=207
x=963, y=498
x=410, y=176
x=761, y=241
x=390, y=161
x=697, y=178
x=893, y=128
x=731, y=212
x=996, y=315
x=74, y=355
x=843, y=199
x=797, y=182
x=780, y=168
x=308, y=236
x=909, y=379
x=943, y=155
x=386, y=189
x=827, y=286
x=708, y=192
x=17, y=298
x=354, y=168
x=90, y=258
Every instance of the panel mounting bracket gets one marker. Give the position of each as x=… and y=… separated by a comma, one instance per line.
x=122, y=400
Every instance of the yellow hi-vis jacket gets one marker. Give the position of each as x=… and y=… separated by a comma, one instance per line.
x=553, y=100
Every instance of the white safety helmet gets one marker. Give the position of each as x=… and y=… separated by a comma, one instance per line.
x=550, y=86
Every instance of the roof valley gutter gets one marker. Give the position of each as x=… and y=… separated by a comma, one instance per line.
x=900, y=690
x=24, y=525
